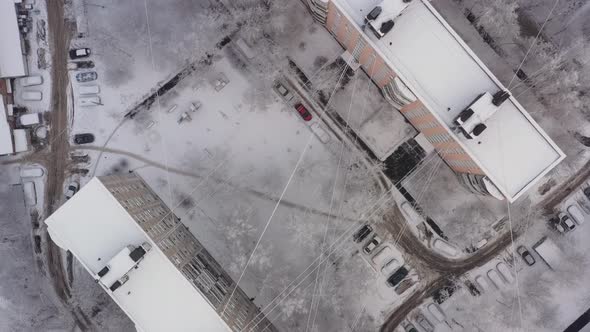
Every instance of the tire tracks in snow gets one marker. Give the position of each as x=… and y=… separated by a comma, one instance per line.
x=257, y=193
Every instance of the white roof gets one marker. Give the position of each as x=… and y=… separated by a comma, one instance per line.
x=444, y=73
x=21, y=143
x=157, y=297
x=11, y=56
x=5, y=137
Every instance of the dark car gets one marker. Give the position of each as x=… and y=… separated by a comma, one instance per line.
x=78, y=53
x=86, y=76
x=586, y=192
x=398, y=276
x=362, y=233
x=83, y=138
x=526, y=255
x=83, y=64
x=303, y=112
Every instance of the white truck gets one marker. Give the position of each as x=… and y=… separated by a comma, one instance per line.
x=548, y=251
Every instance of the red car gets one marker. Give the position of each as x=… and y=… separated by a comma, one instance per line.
x=303, y=112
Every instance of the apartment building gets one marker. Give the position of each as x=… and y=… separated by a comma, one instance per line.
x=430, y=75
x=148, y=261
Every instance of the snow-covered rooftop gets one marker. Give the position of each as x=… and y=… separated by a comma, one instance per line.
x=157, y=297
x=446, y=76
x=11, y=57
x=5, y=136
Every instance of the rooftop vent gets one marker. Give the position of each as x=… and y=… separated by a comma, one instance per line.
x=478, y=129
x=373, y=14
x=137, y=254
x=103, y=272
x=500, y=97
x=386, y=27
x=471, y=120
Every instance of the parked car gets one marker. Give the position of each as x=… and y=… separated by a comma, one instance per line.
x=31, y=80
x=576, y=213
x=424, y=323
x=586, y=192
x=85, y=90
x=86, y=64
x=398, y=276
x=505, y=272
x=283, y=92
x=87, y=76
x=32, y=95
x=526, y=255
x=78, y=53
x=390, y=267
x=371, y=245
x=584, y=204
x=436, y=312
x=303, y=112
x=72, y=189
x=89, y=101
x=81, y=171
x=83, y=138
x=482, y=284
x=362, y=233
x=384, y=255
x=409, y=327
x=566, y=221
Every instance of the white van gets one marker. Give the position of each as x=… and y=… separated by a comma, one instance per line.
x=89, y=101
x=29, y=119
x=31, y=80
x=383, y=256
x=32, y=95
x=576, y=213
x=85, y=90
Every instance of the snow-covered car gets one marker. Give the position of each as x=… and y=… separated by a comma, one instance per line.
x=32, y=95
x=89, y=101
x=566, y=221
x=576, y=213
x=283, y=92
x=505, y=272
x=374, y=243
x=495, y=278
x=390, y=267
x=436, y=312
x=409, y=327
x=31, y=80
x=72, y=189
x=87, y=76
x=78, y=53
x=86, y=64
x=384, y=255
x=526, y=255
x=424, y=323
x=482, y=284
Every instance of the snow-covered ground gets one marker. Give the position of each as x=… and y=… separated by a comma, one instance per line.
x=27, y=301
x=223, y=170
x=540, y=298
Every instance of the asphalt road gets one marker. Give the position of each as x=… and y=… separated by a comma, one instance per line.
x=56, y=160
x=443, y=267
